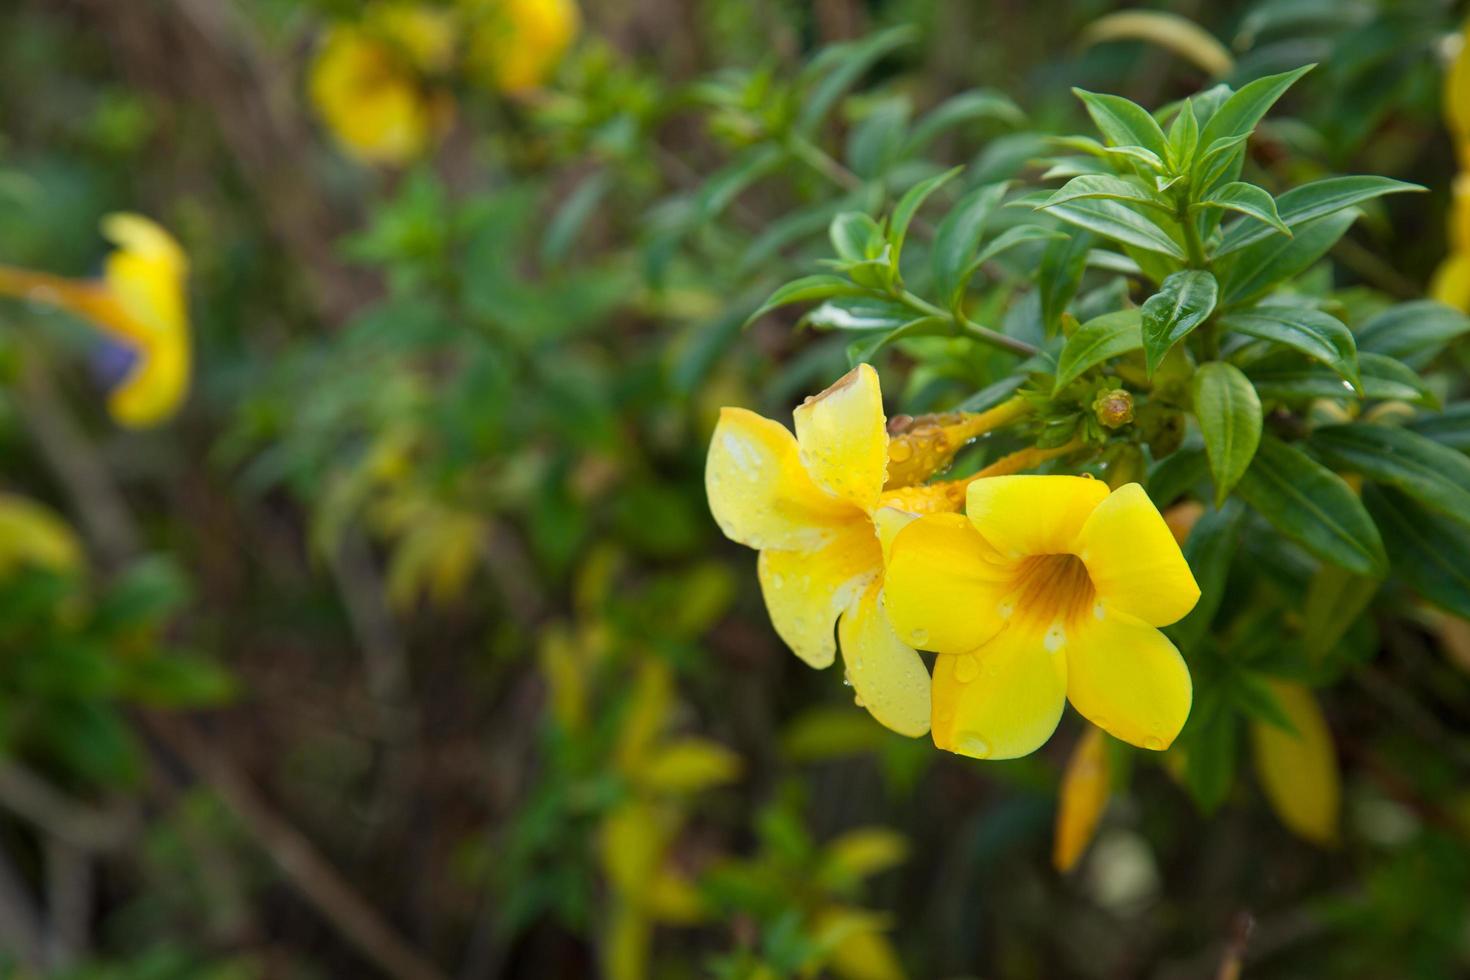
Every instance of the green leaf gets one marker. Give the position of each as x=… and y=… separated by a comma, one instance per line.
x=1210, y=743
x=1124, y=123
x=1256, y=268
x=854, y=236
x=1448, y=428
x=1216, y=160
x=567, y=223
x=1121, y=157
x=1131, y=190
x=1435, y=475
x=806, y=289
x=958, y=237
x=716, y=193
x=1413, y=332
x=874, y=144
x=842, y=65
x=1209, y=549
x=1062, y=265
x=1120, y=223
x=908, y=206
x=1096, y=341
x=1381, y=378
x=1310, y=202
x=1176, y=474
x=858, y=313
x=1183, y=302
x=1427, y=551
x=1183, y=136
x=1313, y=506
x=865, y=348
x=967, y=107
x=1009, y=239
x=1248, y=199
x=1314, y=333
x=1240, y=113
x=1229, y=414
x=1335, y=599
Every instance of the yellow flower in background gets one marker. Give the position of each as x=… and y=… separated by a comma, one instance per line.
x=32, y=535
x=815, y=508
x=1298, y=769
x=140, y=303
x=1085, y=789
x=1050, y=590
x=1451, y=282
x=368, y=82
x=514, y=45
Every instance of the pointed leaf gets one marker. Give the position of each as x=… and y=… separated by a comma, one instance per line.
x=1183, y=302
x=1111, y=188
x=1229, y=414
x=1308, y=203
x=1428, y=552
x=1096, y=341
x=1318, y=335
x=1313, y=506
x=1248, y=199
x=805, y=290
x=1435, y=475
x=908, y=206
x=1413, y=332
x=1253, y=270
x=1124, y=123
x=1241, y=112
x=958, y=237
x=1120, y=223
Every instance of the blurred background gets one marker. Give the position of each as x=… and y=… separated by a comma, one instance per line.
x=407, y=646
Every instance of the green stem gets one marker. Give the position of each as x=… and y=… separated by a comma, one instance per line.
x=822, y=163
x=1192, y=243
x=963, y=324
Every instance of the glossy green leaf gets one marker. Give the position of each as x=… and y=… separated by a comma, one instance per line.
x=1318, y=335
x=1183, y=302
x=1310, y=202
x=1253, y=270
x=806, y=289
x=1381, y=378
x=1448, y=428
x=1062, y=266
x=1120, y=223
x=1130, y=190
x=1124, y=123
x=1229, y=415
x=1313, y=506
x=840, y=66
x=1247, y=199
x=1435, y=475
x=908, y=206
x=1413, y=332
x=1096, y=341
x=865, y=348
x=1240, y=113
x=854, y=236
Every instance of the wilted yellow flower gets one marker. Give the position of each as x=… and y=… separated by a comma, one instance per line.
x=140, y=303
x=815, y=508
x=368, y=83
x=1298, y=770
x=514, y=45
x=1050, y=589
x=1085, y=789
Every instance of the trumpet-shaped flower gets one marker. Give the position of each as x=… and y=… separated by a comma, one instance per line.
x=366, y=83
x=1050, y=589
x=815, y=507
x=140, y=303
x=515, y=44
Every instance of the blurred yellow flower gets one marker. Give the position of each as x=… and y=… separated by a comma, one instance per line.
x=1085, y=790
x=368, y=82
x=140, y=303
x=1050, y=589
x=1298, y=769
x=815, y=508
x=514, y=45
x=32, y=535
x=1451, y=281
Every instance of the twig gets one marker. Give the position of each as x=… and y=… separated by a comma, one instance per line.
x=69, y=902
x=27, y=795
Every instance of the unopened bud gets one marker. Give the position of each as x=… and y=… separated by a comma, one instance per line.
x=1114, y=408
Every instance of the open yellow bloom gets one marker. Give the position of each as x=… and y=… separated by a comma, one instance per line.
x=366, y=84
x=140, y=303
x=1050, y=589
x=515, y=44
x=815, y=508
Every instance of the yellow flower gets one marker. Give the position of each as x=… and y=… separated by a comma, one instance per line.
x=515, y=44
x=32, y=535
x=815, y=508
x=1085, y=789
x=1050, y=589
x=1298, y=770
x=366, y=83
x=139, y=302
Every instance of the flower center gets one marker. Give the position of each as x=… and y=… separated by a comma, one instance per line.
x=1051, y=591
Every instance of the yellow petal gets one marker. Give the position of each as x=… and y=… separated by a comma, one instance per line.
x=1134, y=562
x=1457, y=89
x=943, y=587
x=888, y=521
x=1033, y=515
x=1001, y=702
x=1127, y=679
x=517, y=43
x=805, y=591
x=888, y=677
x=1298, y=770
x=1451, y=282
x=843, y=439
x=758, y=492
x=1084, y=796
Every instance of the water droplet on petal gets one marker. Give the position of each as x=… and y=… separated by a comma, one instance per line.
x=899, y=451
x=966, y=669
x=846, y=680
x=918, y=638
x=1154, y=742
x=968, y=743
x=777, y=581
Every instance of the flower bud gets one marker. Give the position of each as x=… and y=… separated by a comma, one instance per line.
x=1113, y=407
